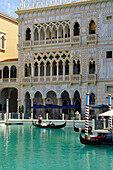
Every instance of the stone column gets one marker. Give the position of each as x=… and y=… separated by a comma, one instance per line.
x=38, y=73
x=31, y=105
x=57, y=71
x=44, y=72
x=58, y=99
x=64, y=71
x=71, y=101
x=70, y=70
x=51, y=71
x=44, y=101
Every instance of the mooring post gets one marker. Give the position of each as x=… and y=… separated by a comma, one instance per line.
x=87, y=116
x=7, y=113
x=110, y=118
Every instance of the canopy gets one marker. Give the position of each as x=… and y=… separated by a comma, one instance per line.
x=53, y=107
x=100, y=106
x=39, y=107
x=70, y=107
x=108, y=113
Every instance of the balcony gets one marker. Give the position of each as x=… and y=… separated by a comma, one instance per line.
x=76, y=39
x=26, y=44
x=92, y=38
x=76, y=78
x=10, y=80
x=92, y=78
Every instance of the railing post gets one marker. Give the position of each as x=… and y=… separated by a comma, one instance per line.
x=62, y=116
x=18, y=115
x=9, y=115
x=79, y=116
x=31, y=116
x=87, y=116
x=46, y=116
x=104, y=121
x=22, y=115
x=5, y=117
x=93, y=124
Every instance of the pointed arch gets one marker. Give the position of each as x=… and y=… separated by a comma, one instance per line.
x=6, y=72
x=27, y=102
x=92, y=29
x=13, y=72
x=28, y=34
x=36, y=34
x=77, y=100
x=92, y=66
x=92, y=99
x=76, y=31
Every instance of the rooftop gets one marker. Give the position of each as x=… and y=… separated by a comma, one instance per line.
x=26, y=4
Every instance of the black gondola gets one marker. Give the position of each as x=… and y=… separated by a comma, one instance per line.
x=83, y=130
x=99, y=140
x=50, y=126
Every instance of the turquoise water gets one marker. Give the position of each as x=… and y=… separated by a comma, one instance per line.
x=28, y=147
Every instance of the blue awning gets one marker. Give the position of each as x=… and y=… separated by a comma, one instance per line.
x=39, y=107
x=70, y=107
x=100, y=106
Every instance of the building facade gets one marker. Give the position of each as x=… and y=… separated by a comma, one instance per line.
x=8, y=62
x=65, y=50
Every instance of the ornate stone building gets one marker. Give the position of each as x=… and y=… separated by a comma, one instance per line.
x=65, y=50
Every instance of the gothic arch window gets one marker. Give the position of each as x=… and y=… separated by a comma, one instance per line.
x=27, y=69
x=28, y=34
x=36, y=69
x=76, y=67
x=36, y=35
x=48, y=33
x=42, y=69
x=54, y=33
x=42, y=34
x=67, y=67
x=5, y=72
x=92, y=99
x=91, y=67
x=60, y=67
x=76, y=31
x=60, y=32
x=77, y=100
x=54, y=68
x=27, y=102
x=13, y=72
x=48, y=68
x=92, y=29
x=67, y=31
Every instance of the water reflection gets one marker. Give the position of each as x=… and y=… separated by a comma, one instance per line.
x=27, y=147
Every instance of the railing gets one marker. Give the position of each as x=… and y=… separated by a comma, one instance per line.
x=76, y=77
x=26, y=43
x=13, y=79
x=26, y=79
x=91, y=77
x=92, y=38
x=76, y=39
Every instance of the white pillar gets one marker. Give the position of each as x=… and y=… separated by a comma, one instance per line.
x=38, y=73
x=22, y=115
x=18, y=115
x=46, y=116
x=79, y=116
x=51, y=72
x=31, y=116
x=93, y=124
x=44, y=72
x=64, y=71
x=9, y=115
x=62, y=116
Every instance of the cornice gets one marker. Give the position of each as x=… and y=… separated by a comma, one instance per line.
x=59, y=6
x=8, y=17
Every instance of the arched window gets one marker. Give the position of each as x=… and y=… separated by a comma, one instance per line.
x=36, y=36
x=92, y=67
x=76, y=67
x=67, y=31
x=77, y=100
x=41, y=69
x=42, y=34
x=54, y=33
x=67, y=67
x=76, y=29
x=92, y=99
x=3, y=42
x=60, y=32
x=48, y=68
x=60, y=67
x=27, y=70
x=27, y=102
x=28, y=34
x=13, y=72
x=36, y=69
x=92, y=27
x=48, y=34
x=54, y=68
x=6, y=72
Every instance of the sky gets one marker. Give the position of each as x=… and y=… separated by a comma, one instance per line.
x=9, y=7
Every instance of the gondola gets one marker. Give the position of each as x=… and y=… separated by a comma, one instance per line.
x=98, y=140
x=50, y=126
x=83, y=130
